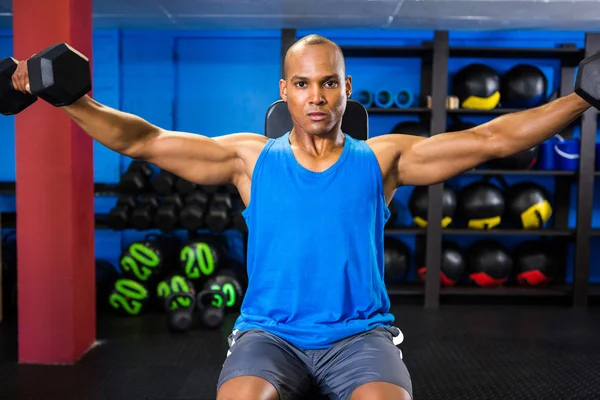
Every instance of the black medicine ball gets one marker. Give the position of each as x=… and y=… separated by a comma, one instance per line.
x=396, y=259
x=528, y=205
x=523, y=160
x=481, y=204
x=411, y=128
x=453, y=264
x=523, y=86
x=535, y=263
x=490, y=264
x=417, y=205
x=477, y=87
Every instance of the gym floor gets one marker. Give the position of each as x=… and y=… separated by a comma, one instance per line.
x=456, y=352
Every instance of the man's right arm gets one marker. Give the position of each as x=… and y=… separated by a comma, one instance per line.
x=190, y=156
x=200, y=159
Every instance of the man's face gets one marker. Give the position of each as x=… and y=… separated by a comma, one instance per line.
x=315, y=88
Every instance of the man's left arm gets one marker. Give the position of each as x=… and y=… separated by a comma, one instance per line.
x=426, y=161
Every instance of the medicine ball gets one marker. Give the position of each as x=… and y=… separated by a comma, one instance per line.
x=477, y=87
x=453, y=264
x=411, y=128
x=489, y=263
x=535, y=263
x=106, y=276
x=142, y=261
x=481, y=204
x=417, y=205
x=523, y=86
x=231, y=284
x=129, y=297
x=396, y=259
x=528, y=205
x=523, y=160
x=200, y=259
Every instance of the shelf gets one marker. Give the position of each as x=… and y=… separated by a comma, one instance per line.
x=404, y=231
x=8, y=220
x=101, y=189
x=105, y=189
x=520, y=172
x=493, y=111
x=7, y=188
x=568, y=55
x=510, y=232
x=414, y=110
x=386, y=51
x=506, y=291
x=400, y=289
x=594, y=289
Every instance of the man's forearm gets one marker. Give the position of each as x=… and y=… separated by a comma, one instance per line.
x=523, y=130
x=117, y=130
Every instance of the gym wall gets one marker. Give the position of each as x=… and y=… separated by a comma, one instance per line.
x=218, y=82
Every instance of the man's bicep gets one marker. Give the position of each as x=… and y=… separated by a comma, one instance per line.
x=443, y=156
x=194, y=157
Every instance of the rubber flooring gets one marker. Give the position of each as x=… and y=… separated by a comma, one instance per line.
x=457, y=352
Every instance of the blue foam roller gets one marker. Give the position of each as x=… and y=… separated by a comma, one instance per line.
x=384, y=99
x=404, y=98
x=365, y=98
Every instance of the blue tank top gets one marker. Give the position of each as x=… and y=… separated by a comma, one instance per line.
x=315, y=247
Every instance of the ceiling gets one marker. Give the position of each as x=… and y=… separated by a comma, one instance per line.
x=579, y=15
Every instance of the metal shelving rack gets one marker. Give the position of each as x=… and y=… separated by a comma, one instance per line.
x=434, y=82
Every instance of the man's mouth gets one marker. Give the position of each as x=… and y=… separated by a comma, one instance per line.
x=317, y=116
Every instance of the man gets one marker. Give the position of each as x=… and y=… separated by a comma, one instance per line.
x=316, y=310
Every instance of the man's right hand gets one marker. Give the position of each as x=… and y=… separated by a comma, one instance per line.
x=20, y=78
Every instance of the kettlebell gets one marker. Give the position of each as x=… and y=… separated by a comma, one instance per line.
x=211, y=308
x=180, y=317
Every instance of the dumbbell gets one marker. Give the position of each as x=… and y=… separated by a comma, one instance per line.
x=238, y=220
x=218, y=217
x=164, y=182
x=60, y=75
x=167, y=215
x=144, y=213
x=587, y=84
x=210, y=189
x=136, y=179
x=12, y=101
x=192, y=214
x=119, y=216
x=184, y=186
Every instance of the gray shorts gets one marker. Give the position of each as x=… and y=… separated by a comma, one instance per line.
x=336, y=372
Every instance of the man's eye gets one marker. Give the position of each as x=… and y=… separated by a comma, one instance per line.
x=300, y=84
x=331, y=83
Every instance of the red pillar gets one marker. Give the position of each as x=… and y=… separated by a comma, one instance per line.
x=55, y=200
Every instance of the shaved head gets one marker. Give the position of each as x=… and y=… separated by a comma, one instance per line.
x=312, y=40
x=315, y=86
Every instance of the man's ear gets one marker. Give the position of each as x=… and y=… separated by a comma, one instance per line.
x=283, y=90
x=348, y=86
